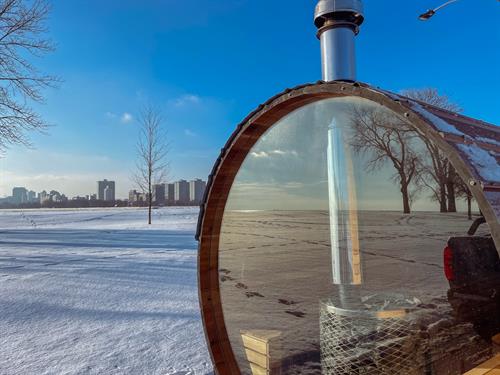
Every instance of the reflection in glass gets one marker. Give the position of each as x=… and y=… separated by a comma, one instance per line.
x=331, y=251
x=346, y=263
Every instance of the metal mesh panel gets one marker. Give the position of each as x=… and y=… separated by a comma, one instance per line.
x=364, y=342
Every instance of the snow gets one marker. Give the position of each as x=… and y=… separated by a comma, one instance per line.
x=485, y=164
x=481, y=159
x=97, y=291
x=438, y=122
x=488, y=140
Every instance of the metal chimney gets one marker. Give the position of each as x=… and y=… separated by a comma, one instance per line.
x=338, y=24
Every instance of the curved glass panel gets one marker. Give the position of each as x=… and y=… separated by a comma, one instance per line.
x=332, y=251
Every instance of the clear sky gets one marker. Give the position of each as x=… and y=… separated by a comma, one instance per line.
x=206, y=64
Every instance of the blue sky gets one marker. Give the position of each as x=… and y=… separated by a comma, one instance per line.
x=206, y=64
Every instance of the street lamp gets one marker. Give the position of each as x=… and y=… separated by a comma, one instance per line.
x=427, y=15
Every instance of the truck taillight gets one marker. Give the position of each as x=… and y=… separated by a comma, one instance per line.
x=448, y=262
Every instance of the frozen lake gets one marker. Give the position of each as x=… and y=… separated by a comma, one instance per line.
x=98, y=291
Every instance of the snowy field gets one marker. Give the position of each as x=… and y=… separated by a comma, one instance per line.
x=98, y=291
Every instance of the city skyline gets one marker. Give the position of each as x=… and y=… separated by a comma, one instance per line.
x=96, y=193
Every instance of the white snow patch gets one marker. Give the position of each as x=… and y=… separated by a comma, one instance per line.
x=488, y=140
x=438, y=122
x=485, y=164
x=100, y=292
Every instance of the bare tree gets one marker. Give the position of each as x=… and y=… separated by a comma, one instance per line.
x=433, y=97
x=387, y=139
x=22, y=29
x=434, y=173
x=451, y=187
x=463, y=191
x=440, y=171
x=152, y=151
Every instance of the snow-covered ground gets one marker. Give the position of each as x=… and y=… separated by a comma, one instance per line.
x=98, y=291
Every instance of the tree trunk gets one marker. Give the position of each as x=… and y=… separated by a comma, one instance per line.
x=469, y=207
x=406, y=199
x=452, y=207
x=450, y=189
x=442, y=198
x=150, y=203
x=149, y=211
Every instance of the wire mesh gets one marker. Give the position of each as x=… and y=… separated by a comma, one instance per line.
x=366, y=342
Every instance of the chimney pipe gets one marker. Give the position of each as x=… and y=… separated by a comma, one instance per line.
x=338, y=24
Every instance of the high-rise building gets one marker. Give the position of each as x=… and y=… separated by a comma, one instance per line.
x=181, y=192
x=159, y=194
x=19, y=195
x=108, y=194
x=101, y=186
x=196, y=190
x=170, y=194
x=31, y=196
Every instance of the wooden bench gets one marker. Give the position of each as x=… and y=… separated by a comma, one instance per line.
x=263, y=351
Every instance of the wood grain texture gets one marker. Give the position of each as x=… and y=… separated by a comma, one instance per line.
x=489, y=367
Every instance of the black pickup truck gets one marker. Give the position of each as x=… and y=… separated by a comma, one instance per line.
x=472, y=267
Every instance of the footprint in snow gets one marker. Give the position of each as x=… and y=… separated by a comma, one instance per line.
x=286, y=302
x=226, y=278
x=253, y=294
x=298, y=314
x=241, y=286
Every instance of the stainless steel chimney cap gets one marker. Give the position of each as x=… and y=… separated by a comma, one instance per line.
x=327, y=8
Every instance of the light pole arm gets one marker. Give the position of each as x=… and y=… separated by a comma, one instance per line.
x=445, y=4
x=425, y=16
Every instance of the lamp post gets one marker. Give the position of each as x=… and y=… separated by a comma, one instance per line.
x=431, y=12
x=427, y=15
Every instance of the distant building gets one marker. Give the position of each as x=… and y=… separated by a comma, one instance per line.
x=101, y=186
x=159, y=194
x=6, y=200
x=32, y=196
x=19, y=195
x=181, y=192
x=133, y=196
x=196, y=190
x=170, y=194
x=108, y=194
x=136, y=198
